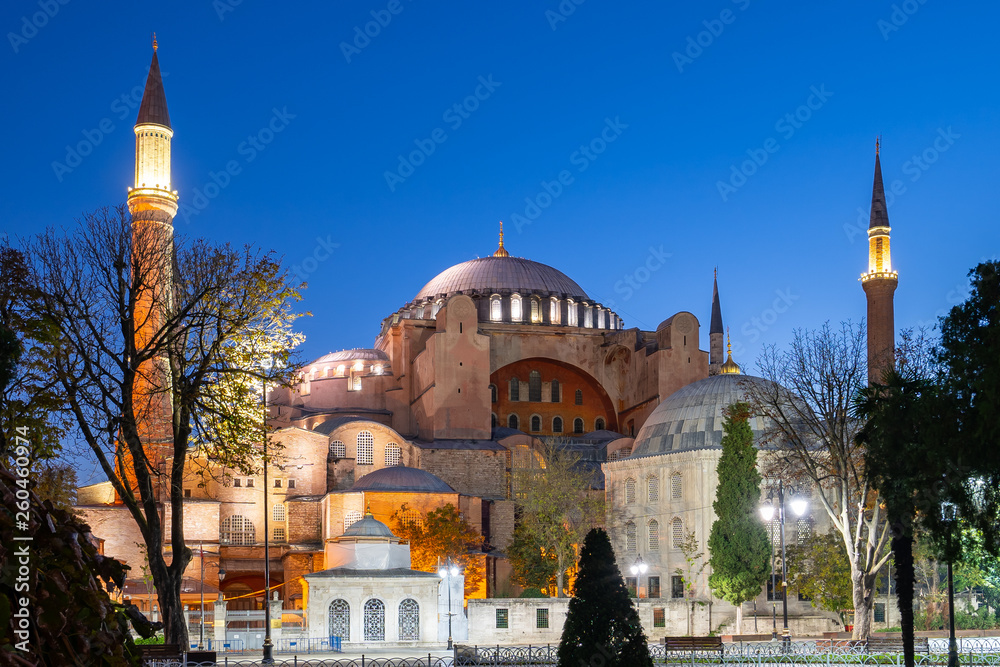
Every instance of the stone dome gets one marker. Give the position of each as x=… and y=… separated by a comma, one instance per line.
x=368, y=526
x=357, y=354
x=495, y=274
x=691, y=418
x=400, y=479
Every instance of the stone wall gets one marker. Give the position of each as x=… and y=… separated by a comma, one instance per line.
x=472, y=472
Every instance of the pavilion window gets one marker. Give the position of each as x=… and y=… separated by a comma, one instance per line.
x=374, y=620
x=340, y=620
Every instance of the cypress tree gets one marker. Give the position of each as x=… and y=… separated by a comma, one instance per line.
x=738, y=545
x=602, y=626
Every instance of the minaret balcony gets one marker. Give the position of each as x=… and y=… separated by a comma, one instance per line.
x=152, y=192
x=880, y=275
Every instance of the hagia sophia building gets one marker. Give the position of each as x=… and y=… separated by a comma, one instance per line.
x=465, y=384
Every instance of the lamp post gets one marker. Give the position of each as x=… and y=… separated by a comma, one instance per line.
x=639, y=568
x=949, y=513
x=447, y=572
x=799, y=506
x=268, y=648
x=222, y=575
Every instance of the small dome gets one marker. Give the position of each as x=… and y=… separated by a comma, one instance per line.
x=357, y=354
x=691, y=418
x=400, y=479
x=369, y=526
x=492, y=274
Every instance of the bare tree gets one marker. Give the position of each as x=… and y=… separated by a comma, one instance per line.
x=808, y=406
x=148, y=326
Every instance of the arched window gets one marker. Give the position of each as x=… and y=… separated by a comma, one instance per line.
x=630, y=491
x=557, y=425
x=340, y=620
x=571, y=312
x=356, y=384
x=278, y=512
x=515, y=307
x=412, y=518
x=803, y=530
x=535, y=387
x=676, y=533
x=588, y=316
x=237, y=530
x=676, y=489
x=513, y=422
x=578, y=397
x=374, y=620
x=599, y=424
x=578, y=425
x=496, y=309
x=625, y=452
x=536, y=315
x=366, y=448
x=493, y=393
x=554, y=310
x=652, y=489
x=493, y=420
x=409, y=620
x=613, y=456
x=393, y=455
x=436, y=307
x=631, y=540
x=556, y=397
x=654, y=534
x=351, y=518
x=536, y=423
x=338, y=449
x=515, y=389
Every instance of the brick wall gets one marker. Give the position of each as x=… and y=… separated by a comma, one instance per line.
x=471, y=472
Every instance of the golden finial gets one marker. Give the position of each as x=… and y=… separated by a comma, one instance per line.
x=878, y=140
x=154, y=41
x=729, y=343
x=368, y=510
x=501, y=251
x=716, y=276
x=730, y=367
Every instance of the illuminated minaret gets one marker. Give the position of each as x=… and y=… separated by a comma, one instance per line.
x=715, y=332
x=879, y=284
x=153, y=204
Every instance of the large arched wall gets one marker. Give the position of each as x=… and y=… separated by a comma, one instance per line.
x=595, y=401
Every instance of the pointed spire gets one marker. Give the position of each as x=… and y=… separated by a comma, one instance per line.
x=153, y=108
x=716, y=324
x=501, y=251
x=879, y=212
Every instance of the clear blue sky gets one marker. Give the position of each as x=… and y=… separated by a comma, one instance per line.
x=921, y=73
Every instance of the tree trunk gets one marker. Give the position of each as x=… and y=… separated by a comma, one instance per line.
x=168, y=589
x=902, y=550
x=863, y=596
x=739, y=619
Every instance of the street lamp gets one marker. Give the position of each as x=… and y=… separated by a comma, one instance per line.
x=222, y=575
x=447, y=572
x=949, y=512
x=268, y=648
x=799, y=506
x=639, y=568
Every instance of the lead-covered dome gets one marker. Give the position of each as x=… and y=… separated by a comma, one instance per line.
x=691, y=418
x=501, y=274
x=400, y=479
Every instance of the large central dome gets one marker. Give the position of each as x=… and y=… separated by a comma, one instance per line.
x=496, y=274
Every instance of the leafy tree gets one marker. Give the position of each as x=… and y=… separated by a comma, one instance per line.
x=441, y=534
x=822, y=572
x=145, y=326
x=533, y=567
x=556, y=508
x=738, y=545
x=601, y=623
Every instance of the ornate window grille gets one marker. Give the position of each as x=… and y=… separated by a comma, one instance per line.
x=351, y=518
x=412, y=518
x=237, y=530
x=393, y=455
x=278, y=534
x=542, y=618
x=366, y=448
x=677, y=532
x=654, y=535
x=652, y=488
x=676, y=487
x=629, y=491
x=631, y=543
x=374, y=620
x=409, y=620
x=340, y=620
x=278, y=512
x=338, y=449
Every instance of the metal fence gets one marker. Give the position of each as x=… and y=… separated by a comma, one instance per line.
x=425, y=661
x=309, y=645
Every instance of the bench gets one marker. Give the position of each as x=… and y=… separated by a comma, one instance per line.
x=691, y=644
x=895, y=645
x=150, y=652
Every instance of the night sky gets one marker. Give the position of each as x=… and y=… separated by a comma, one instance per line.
x=606, y=135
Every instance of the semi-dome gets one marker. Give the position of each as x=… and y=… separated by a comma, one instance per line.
x=691, y=418
x=400, y=479
x=496, y=274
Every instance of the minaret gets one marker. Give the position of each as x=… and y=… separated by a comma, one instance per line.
x=879, y=284
x=152, y=204
x=715, y=332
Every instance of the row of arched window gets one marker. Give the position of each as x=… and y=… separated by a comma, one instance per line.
x=366, y=450
x=535, y=390
x=558, y=426
x=653, y=535
x=652, y=489
x=373, y=626
x=592, y=316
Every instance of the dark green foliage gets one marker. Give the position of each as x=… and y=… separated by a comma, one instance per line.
x=738, y=546
x=532, y=593
x=602, y=627
x=820, y=569
x=72, y=619
x=532, y=566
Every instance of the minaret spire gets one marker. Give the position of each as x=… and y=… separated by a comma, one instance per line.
x=501, y=251
x=715, y=331
x=879, y=282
